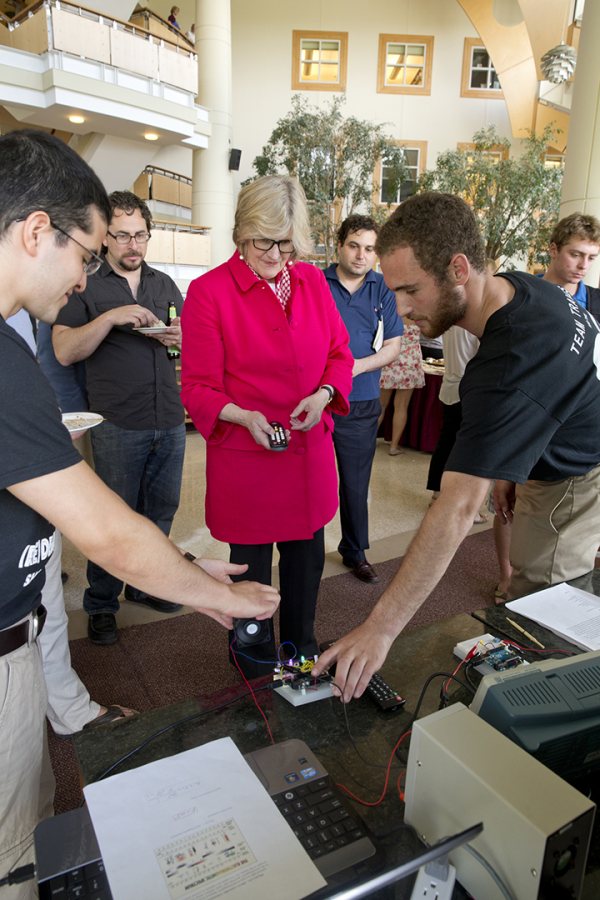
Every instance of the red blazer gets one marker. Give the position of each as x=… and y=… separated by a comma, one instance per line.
x=239, y=346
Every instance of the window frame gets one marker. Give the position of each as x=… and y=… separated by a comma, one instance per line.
x=497, y=150
x=297, y=83
x=420, y=146
x=420, y=90
x=466, y=90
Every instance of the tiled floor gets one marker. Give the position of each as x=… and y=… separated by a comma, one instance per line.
x=398, y=501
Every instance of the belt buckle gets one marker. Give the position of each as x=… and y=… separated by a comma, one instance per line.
x=34, y=628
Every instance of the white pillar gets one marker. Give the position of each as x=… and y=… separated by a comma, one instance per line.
x=581, y=182
x=212, y=182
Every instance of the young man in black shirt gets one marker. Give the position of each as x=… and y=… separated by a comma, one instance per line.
x=53, y=217
x=531, y=415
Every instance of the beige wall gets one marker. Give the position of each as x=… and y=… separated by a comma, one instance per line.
x=262, y=38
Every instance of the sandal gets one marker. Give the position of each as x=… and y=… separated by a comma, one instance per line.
x=113, y=714
x=395, y=451
x=500, y=596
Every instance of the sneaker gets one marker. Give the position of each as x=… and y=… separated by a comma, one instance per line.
x=163, y=606
x=102, y=628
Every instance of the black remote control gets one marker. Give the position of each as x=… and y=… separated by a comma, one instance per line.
x=383, y=695
x=278, y=441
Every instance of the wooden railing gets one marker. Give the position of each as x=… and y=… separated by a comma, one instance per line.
x=179, y=244
x=159, y=27
x=155, y=183
x=83, y=32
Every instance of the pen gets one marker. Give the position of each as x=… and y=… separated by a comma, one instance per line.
x=526, y=633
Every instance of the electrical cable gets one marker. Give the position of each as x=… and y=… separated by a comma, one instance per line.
x=501, y=885
x=18, y=876
x=183, y=721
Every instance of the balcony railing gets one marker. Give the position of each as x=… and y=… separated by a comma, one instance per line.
x=76, y=30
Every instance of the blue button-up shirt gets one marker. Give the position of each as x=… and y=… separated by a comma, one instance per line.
x=361, y=312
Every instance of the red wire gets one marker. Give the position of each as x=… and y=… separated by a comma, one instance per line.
x=387, y=778
x=398, y=788
x=249, y=686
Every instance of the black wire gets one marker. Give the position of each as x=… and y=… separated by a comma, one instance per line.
x=205, y=712
x=415, y=715
x=14, y=873
x=18, y=876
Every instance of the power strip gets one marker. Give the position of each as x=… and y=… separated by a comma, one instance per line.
x=435, y=881
x=305, y=693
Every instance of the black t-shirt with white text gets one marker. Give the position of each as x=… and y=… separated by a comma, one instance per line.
x=33, y=442
x=531, y=395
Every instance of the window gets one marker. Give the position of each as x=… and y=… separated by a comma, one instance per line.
x=404, y=65
x=414, y=158
x=495, y=153
x=479, y=77
x=554, y=159
x=319, y=60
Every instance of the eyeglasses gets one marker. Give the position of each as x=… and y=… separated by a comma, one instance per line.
x=123, y=238
x=92, y=265
x=266, y=244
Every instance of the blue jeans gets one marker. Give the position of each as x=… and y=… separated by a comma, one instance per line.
x=144, y=468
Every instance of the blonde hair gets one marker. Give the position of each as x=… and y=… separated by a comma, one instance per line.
x=273, y=206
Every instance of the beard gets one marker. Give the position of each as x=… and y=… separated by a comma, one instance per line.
x=451, y=308
x=128, y=266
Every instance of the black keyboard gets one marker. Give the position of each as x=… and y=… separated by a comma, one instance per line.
x=327, y=828
x=88, y=881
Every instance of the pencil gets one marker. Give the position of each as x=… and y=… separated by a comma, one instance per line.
x=526, y=633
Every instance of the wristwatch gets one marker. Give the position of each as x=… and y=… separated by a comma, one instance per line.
x=330, y=391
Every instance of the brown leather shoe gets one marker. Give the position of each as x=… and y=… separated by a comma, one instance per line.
x=364, y=571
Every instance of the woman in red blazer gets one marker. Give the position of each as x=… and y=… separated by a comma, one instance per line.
x=263, y=342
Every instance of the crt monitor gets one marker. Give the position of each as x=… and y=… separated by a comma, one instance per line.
x=551, y=709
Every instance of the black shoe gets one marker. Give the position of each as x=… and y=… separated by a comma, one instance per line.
x=102, y=628
x=163, y=606
x=64, y=577
x=363, y=570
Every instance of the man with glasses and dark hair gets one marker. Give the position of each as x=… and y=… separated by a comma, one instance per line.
x=139, y=448
x=53, y=216
x=368, y=310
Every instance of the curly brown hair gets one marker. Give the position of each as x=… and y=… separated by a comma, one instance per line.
x=354, y=223
x=436, y=227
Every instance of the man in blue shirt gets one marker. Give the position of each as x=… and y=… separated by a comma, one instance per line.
x=574, y=246
x=368, y=309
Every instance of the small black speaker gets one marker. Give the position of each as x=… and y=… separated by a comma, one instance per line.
x=234, y=159
x=250, y=631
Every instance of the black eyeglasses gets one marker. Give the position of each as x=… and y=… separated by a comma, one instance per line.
x=266, y=244
x=123, y=238
x=92, y=265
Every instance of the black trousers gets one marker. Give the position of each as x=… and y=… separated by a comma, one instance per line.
x=300, y=570
x=355, y=440
x=452, y=417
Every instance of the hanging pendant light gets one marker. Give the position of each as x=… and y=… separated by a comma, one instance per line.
x=558, y=64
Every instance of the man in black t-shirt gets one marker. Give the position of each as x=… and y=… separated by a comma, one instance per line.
x=574, y=245
x=53, y=217
x=531, y=414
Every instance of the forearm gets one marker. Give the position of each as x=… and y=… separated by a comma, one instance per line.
x=107, y=531
x=72, y=345
x=149, y=561
x=234, y=414
x=388, y=353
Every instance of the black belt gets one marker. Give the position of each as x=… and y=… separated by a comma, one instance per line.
x=24, y=633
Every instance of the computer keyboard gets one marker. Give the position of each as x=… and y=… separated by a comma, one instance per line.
x=326, y=827
x=88, y=882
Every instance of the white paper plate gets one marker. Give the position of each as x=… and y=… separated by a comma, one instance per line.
x=81, y=421
x=152, y=329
